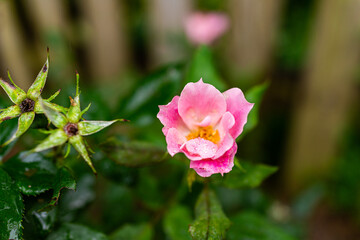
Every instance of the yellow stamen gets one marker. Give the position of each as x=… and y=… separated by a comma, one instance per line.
x=207, y=133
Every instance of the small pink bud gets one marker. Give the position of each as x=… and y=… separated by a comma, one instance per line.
x=205, y=28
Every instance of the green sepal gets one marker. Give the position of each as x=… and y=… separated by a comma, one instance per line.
x=16, y=94
x=25, y=121
x=39, y=109
x=58, y=119
x=91, y=127
x=85, y=110
x=78, y=143
x=56, y=138
x=52, y=97
x=74, y=114
x=9, y=113
x=39, y=83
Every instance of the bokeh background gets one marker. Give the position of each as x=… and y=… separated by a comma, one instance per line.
x=308, y=51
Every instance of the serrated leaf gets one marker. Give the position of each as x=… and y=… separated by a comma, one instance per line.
x=91, y=127
x=39, y=83
x=71, y=231
x=250, y=225
x=133, y=154
x=11, y=208
x=32, y=172
x=63, y=179
x=202, y=66
x=16, y=94
x=133, y=232
x=24, y=122
x=250, y=176
x=56, y=138
x=210, y=221
x=254, y=95
x=176, y=223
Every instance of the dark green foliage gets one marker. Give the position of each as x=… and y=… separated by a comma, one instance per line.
x=176, y=223
x=252, y=226
x=133, y=232
x=11, y=206
x=202, y=66
x=210, y=221
x=70, y=231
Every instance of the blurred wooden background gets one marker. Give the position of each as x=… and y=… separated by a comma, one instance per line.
x=104, y=40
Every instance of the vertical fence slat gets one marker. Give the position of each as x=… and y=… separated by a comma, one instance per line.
x=254, y=27
x=107, y=41
x=13, y=46
x=329, y=81
x=166, y=22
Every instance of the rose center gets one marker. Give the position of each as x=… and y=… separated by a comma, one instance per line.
x=71, y=129
x=207, y=133
x=27, y=105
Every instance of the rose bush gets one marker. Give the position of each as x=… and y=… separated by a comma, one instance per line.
x=203, y=123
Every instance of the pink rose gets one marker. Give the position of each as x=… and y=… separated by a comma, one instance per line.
x=205, y=28
x=203, y=123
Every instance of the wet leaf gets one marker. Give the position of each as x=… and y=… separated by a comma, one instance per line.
x=250, y=225
x=176, y=223
x=16, y=94
x=133, y=154
x=63, y=179
x=12, y=208
x=39, y=83
x=250, y=176
x=210, y=222
x=133, y=232
x=32, y=172
x=71, y=231
x=202, y=66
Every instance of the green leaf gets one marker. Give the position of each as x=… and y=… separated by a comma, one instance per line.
x=71, y=231
x=58, y=119
x=91, y=127
x=78, y=143
x=39, y=83
x=252, y=226
x=7, y=129
x=250, y=176
x=24, y=122
x=63, y=179
x=254, y=95
x=16, y=94
x=33, y=173
x=134, y=154
x=210, y=222
x=133, y=232
x=9, y=113
x=202, y=66
x=156, y=89
x=56, y=138
x=176, y=223
x=11, y=208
